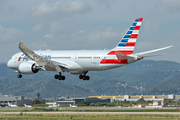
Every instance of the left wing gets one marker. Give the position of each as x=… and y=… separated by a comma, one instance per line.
x=41, y=61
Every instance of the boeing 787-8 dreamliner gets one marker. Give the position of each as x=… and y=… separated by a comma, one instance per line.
x=79, y=62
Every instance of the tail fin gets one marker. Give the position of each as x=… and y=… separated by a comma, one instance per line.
x=127, y=43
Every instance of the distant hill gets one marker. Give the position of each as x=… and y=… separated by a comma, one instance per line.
x=142, y=77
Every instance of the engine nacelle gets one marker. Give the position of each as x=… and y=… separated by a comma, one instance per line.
x=28, y=68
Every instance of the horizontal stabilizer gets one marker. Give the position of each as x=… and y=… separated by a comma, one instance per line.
x=151, y=51
x=122, y=56
x=152, y=55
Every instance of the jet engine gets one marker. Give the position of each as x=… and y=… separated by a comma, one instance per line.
x=28, y=68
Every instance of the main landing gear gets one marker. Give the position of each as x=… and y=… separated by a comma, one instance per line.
x=84, y=77
x=60, y=77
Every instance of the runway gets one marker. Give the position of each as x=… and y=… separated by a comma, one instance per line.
x=99, y=113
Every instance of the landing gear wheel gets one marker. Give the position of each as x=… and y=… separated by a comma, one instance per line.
x=56, y=76
x=84, y=77
x=80, y=77
x=59, y=77
x=63, y=77
x=87, y=77
x=19, y=76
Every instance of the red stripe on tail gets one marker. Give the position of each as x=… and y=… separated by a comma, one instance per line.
x=140, y=19
x=130, y=44
x=137, y=28
x=134, y=36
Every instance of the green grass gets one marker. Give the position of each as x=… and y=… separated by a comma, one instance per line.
x=126, y=110
x=88, y=117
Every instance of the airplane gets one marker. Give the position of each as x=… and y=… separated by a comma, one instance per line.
x=28, y=106
x=73, y=106
x=53, y=106
x=10, y=105
x=79, y=62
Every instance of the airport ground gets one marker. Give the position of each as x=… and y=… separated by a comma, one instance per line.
x=90, y=108
x=88, y=116
x=93, y=113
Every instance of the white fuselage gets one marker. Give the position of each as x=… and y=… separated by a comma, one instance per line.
x=9, y=105
x=51, y=106
x=28, y=106
x=77, y=60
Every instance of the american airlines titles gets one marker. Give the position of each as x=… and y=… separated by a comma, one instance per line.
x=46, y=57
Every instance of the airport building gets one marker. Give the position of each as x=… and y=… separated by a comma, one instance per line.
x=78, y=100
x=16, y=100
x=95, y=99
x=137, y=97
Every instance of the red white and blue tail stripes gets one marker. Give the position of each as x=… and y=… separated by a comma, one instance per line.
x=125, y=46
x=127, y=43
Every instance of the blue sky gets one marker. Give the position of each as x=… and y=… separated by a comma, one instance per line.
x=88, y=24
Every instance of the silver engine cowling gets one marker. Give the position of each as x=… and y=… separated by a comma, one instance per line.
x=28, y=68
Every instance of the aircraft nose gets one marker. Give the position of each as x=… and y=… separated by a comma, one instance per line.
x=9, y=64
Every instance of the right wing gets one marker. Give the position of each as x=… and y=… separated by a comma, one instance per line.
x=41, y=61
x=142, y=53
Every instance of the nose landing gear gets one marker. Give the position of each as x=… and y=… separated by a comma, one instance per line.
x=19, y=75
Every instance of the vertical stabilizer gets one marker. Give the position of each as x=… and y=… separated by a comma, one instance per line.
x=127, y=43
